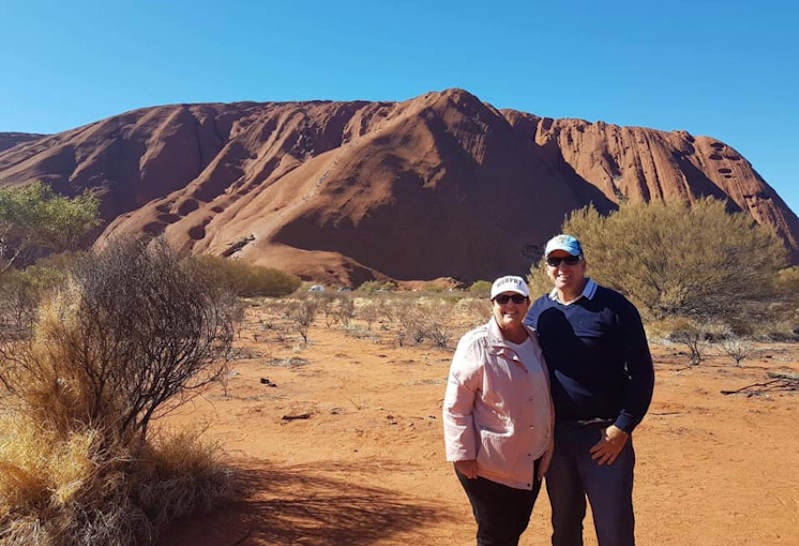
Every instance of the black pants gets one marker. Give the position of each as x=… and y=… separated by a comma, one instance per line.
x=501, y=512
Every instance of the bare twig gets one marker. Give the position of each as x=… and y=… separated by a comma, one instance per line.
x=298, y=416
x=748, y=387
x=781, y=382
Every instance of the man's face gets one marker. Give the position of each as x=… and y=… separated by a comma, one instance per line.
x=566, y=277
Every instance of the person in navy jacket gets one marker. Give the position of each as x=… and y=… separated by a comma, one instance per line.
x=602, y=381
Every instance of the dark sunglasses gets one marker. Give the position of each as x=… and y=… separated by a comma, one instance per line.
x=502, y=299
x=568, y=260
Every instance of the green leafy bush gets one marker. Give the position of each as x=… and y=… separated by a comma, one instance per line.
x=676, y=258
x=246, y=279
x=480, y=289
x=33, y=218
x=377, y=286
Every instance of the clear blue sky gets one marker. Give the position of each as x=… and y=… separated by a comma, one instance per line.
x=726, y=69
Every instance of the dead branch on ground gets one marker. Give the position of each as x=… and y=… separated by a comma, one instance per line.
x=778, y=382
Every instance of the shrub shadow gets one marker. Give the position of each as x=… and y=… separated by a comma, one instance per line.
x=313, y=505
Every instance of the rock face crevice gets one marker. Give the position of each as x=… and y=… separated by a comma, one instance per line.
x=442, y=185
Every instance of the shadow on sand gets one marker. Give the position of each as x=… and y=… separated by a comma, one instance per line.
x=319, y=504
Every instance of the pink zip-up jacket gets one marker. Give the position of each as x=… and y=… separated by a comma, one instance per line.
x=497, y=409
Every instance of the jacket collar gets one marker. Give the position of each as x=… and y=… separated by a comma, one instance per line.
x=495, y=338
x=498, y=346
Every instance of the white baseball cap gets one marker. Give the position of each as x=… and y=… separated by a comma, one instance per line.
x=509, y=283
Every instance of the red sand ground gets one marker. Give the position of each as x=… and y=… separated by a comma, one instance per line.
x=367, y=465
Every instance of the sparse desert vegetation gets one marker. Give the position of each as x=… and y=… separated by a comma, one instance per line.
x=332, y=434
x=307, y=409
x=139, y=389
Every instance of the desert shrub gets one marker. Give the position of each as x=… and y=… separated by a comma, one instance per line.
x=416, y=321
x=480, y=289
x=344, y=309
x=677, y=258
x=694, y=340
x=407, y=321
x=539, y=282
x=738, y=348
x=375, y=309
x=132, y=329
x=60, y=263
x=437, y=320
x=21, y=290
x=301, y=314
x=787, y=282
x=19, y=299
x=335, y=307
x=377, y=286
x=325, y=305
x=131, y=334
x=437, y=333
x=449, y=297
x=477, y=310
x=246, y=279
x=690, y=333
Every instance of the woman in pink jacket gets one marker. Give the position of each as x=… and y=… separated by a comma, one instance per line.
x=498, y=416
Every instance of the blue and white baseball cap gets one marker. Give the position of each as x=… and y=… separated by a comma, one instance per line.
x=509, y=283
x=564, y=242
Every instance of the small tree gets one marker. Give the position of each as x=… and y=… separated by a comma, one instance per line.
x=133, y=333
x=129, y=335
x=35, y=218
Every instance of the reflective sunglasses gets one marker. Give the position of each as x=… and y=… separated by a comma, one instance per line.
x=502, y=299
x=568, y=260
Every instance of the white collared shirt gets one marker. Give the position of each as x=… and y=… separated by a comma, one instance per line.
x=588, y=292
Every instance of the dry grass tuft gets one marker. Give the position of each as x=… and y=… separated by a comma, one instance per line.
x=79, y=489
x=184, y=475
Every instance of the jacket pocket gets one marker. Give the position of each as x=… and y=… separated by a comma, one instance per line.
x=493, y=452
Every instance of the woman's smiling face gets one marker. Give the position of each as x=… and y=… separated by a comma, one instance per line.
x=510, y=314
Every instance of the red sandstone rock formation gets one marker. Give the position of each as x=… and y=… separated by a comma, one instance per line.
x=442, y=185
x=9, y=140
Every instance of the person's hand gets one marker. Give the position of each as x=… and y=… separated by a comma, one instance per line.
x=467, y=468
x=607, y=449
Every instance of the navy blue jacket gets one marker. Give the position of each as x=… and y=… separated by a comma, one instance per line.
x=598, y=357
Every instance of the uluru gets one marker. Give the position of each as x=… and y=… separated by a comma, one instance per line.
x=440, y=185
